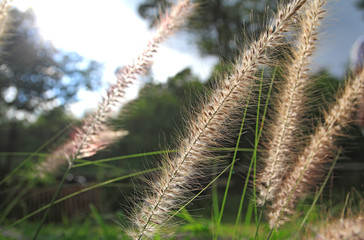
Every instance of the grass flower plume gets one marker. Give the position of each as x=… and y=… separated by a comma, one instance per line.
x=60, y=155
x=290, y=107
x=343, y=228
x=295, y=156
x=178, y=171
x=311, y=162
x=90, y=137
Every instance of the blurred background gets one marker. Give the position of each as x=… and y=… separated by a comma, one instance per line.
x=59, y=56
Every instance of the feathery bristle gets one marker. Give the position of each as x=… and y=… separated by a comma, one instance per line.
x=4, y=7
x=290, y=108
x=60, y=155
x=126, y=76
x=348, y=228
x=320, y=148
x=169, y=191
x=86, y=140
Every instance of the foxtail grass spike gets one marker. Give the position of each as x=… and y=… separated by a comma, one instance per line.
x=127, y=75
x=344, y=228
x=90, y=138
x=169, y=191
x=4, y=7
x=290, y=106
x=310, y=164
x=60, y=155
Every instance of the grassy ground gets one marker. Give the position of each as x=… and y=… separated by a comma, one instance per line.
x=108, y=227
x=89, y=229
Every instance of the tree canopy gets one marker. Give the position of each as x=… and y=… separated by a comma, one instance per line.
x=218, y=25
x=152, y=118
x=33, y=72
x=360, y=4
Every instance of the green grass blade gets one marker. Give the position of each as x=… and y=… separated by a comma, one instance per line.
x=231, y=168
x=257, y=137
x=238, y=217
x=289, y=199
x=215, y=199
x=249, y=214
x=22, y=154
x=319, y=193
x=255, y=150
x=99, y=222
x=260, y=134
x=86, y=162
x=77, y=193
x=33, y=155
x=15, y=200
x=37, y=231
x=198, y=194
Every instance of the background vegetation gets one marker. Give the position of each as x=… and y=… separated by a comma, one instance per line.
x=38, y=76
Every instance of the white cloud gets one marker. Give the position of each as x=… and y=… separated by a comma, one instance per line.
x=112, y=33
x=88, y=102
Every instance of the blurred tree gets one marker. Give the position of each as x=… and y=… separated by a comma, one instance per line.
x=218, y=24
x=152, y=118
x=34, y=73
x=22, y=136
x=54, y=121
x=360, y=4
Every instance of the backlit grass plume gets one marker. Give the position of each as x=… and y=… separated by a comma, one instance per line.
x=169, y=191
x=93, y=125
x=321, y=148
x=351, y=228
x=61, y=154
x=294, y=161
x=89, y=138
x=4, y=7
x=290, y=106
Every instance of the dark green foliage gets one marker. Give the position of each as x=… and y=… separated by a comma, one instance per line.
x=360, y=4
x=22, y=136
x=218, y=24
x=152, y=118
x=53, y=121
x=349, y=170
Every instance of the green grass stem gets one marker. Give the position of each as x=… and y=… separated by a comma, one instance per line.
x=319, y=193
x=34, y=154
x=77, y=193
x=231, y=168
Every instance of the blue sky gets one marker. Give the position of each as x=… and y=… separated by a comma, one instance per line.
x=344, y=24
x=113, y=34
